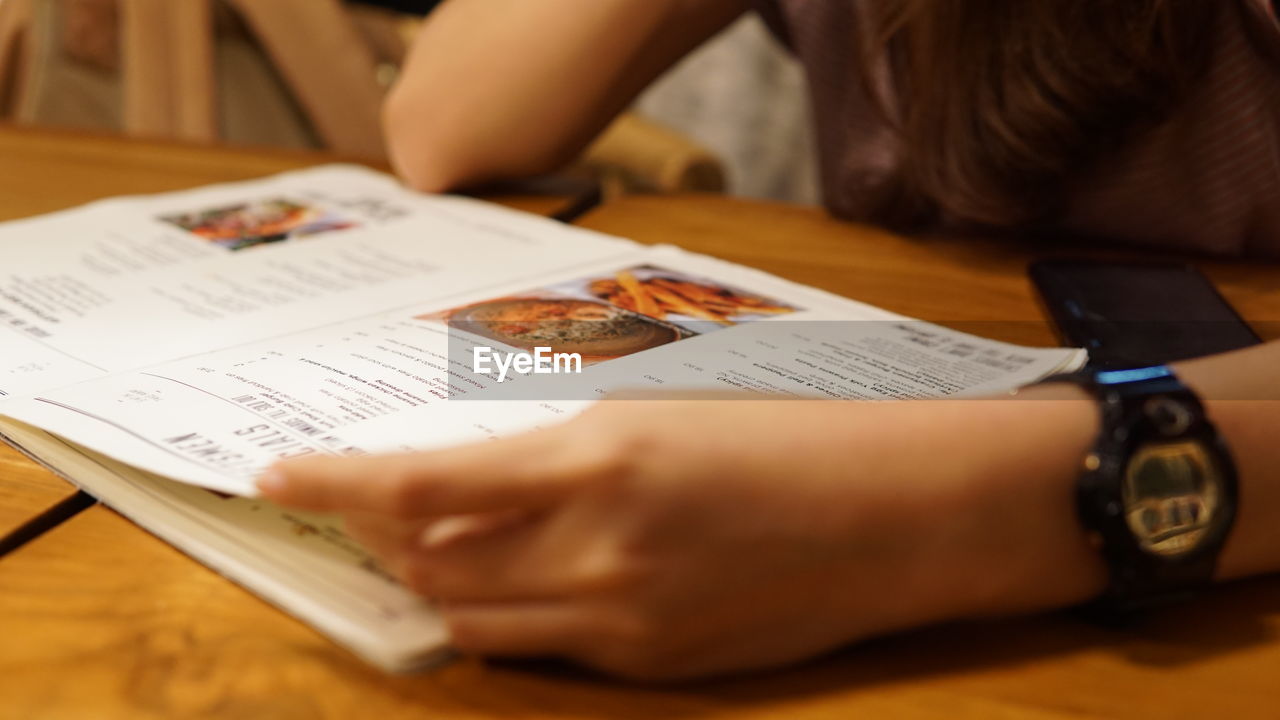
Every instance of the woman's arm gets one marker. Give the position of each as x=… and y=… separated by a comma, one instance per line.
x=689, y=537
x=499, y=89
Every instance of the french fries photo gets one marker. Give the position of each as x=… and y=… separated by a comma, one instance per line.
x=659, y=296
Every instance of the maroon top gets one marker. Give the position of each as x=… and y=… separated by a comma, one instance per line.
x=1207, y=179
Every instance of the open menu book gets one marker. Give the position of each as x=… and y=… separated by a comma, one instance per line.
x=160, y=352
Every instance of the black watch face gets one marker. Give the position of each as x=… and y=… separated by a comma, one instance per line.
x=1172, y=493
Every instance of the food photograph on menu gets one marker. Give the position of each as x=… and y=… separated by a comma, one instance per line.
x=601, y=317
x=258, y=222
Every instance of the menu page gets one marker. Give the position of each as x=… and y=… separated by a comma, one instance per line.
x=131, y=282
x=441, y=372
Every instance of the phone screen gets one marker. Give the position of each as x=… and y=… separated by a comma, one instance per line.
x=1129, y=314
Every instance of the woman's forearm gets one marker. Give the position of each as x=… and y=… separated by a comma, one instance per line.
x=508, y=88
x=1006, y=471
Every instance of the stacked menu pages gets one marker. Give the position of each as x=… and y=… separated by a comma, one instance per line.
x=160, y=352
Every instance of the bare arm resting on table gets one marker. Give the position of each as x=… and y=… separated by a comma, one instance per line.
x=497, y=89
x=691, y=537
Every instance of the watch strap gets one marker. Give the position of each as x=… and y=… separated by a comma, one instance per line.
x=1132, y=403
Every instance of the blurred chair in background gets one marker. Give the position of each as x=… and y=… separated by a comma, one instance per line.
x=287, y=73
x=15, y=19
x=294, y=73
x=746, y=99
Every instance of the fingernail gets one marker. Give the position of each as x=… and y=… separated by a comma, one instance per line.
x=272, y=482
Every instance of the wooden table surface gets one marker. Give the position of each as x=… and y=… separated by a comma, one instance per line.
x=25, y=490
x=100, y=620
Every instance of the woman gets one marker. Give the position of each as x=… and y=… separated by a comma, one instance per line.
x=619, y=540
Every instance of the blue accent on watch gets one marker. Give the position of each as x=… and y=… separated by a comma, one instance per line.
x=1116, y=377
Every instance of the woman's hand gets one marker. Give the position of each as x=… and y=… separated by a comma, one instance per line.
x=672, y=538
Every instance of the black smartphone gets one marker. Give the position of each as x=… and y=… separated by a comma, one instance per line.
x=1134, y=314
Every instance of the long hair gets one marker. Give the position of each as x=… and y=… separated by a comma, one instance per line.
x=1001, y=103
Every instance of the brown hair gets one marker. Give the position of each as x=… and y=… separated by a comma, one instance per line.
x=1003, y=102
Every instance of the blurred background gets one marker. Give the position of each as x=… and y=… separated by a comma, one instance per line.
x=733, y=117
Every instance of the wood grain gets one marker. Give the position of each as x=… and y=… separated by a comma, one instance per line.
x=329, y=67
x=26, y=490
x=101, y=620
x=167, y=70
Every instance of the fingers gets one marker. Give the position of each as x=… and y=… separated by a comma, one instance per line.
x=517, y=630
x=505, y=565
x=463, y=559
x=522, y=472
x=571, y=630
x=384, y=537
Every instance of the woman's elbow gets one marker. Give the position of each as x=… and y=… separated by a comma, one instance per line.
x=440, y=151
x=417, y=148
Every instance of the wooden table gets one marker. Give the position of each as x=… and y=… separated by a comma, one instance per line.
x=100, y=620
